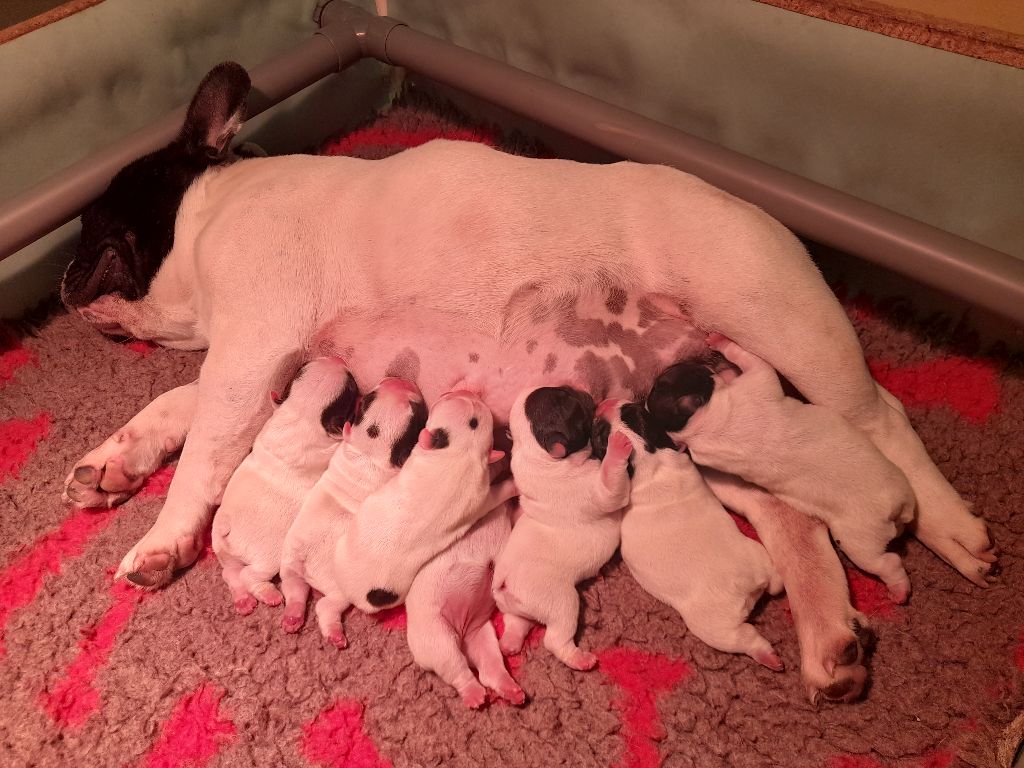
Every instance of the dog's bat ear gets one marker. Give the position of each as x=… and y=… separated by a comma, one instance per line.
x=276, y=399
x=217, y=110
x=346, y=431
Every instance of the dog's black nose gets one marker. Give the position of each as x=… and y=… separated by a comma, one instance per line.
x=381, y=598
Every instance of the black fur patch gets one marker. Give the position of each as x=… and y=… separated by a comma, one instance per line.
x=373, y=431
x=341, y=408
x=474, y=423
x=639, y=419
x=363, y=407
x=560, y=415
x=599, y=436
x=440, y=438
x=677, y=394
x=129, y=230
x=403, y=446
x=381, y=598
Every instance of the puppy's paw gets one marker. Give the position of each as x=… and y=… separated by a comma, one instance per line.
x=474, y=695
x=619, y=447
x=962, y=540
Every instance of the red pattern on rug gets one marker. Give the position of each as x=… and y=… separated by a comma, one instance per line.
x=22, y=579
x=72, y=697
x=387, y=136
x=869, y=595
x=194, y=733
x=13, y=359
x=18, y=438
x=642, y=677
x=336, y=738
x=969, y=386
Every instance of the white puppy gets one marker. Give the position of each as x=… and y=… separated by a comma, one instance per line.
x=450, y=607
x=441, y=491
x=808, y=456
x=374, y=447
x=569, y=527
x=266, y=491
x=681, y=545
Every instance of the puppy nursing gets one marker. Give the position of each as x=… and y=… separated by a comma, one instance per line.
x=571, y=511
x=266, y=491
x=682, y=547
x=374, y=447
x=808, y=456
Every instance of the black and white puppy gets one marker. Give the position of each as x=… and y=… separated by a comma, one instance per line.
x=374, y=447
x=681, y=545
x=571, y=507
x=809, y=457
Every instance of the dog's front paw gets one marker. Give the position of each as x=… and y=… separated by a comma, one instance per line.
x=111, y=474
x=151, y=563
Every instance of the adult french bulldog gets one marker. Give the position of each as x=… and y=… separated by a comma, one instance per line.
x=446, y=264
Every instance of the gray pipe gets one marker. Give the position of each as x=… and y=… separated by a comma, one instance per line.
x=979, y=274
x=60, y=198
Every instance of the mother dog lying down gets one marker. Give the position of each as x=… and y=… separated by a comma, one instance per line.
x=456, y=264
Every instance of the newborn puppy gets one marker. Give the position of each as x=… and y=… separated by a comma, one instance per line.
x=568, y=528
x=266, y=491
x=449, y=608
x=374, y=447
x=806, y=455
x=441, y=491
x=681, y=545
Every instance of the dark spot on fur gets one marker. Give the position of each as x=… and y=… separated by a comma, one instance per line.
x=595, y=374
x=406, y=365
x=342, y=408
x=403, y=446
x=363, y=407
x=560, y=415
x=474, y=357
x=616, y=301
x=373, y=431
x=678, y=392
x=439, y=438
x=640, y=421
x=381, y=598
x=530, y=346
x=599, y=434
x=550, y=361
x=474, y=423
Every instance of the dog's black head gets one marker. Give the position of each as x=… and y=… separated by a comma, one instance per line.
x=388, y=420
x=129, y=229
x=678, y=393
x=561, y=419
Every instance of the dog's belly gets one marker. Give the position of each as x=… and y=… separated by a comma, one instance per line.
x=610, y=344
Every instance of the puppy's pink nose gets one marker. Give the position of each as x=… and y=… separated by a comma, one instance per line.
x=606, y=406
x=397, y=386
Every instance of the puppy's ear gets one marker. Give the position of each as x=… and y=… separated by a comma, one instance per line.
x=217, y=110
x=346, y=431
x=599, y=434
x=340, y=410
x=276, y=399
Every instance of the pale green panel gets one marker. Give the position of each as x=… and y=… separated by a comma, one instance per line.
x=933, y=135
x=81, y=83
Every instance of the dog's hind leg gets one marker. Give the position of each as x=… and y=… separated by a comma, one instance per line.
x=800, y=548
x=113, y=472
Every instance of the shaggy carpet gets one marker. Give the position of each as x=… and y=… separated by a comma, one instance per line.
x=94, y=673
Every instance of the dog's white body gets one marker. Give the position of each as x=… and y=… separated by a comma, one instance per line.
x=809, y=457
x=449, y=607
x=432, y=502
x=682, y=547
x=272, y=257
x=568, y=528
x=267, y=490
